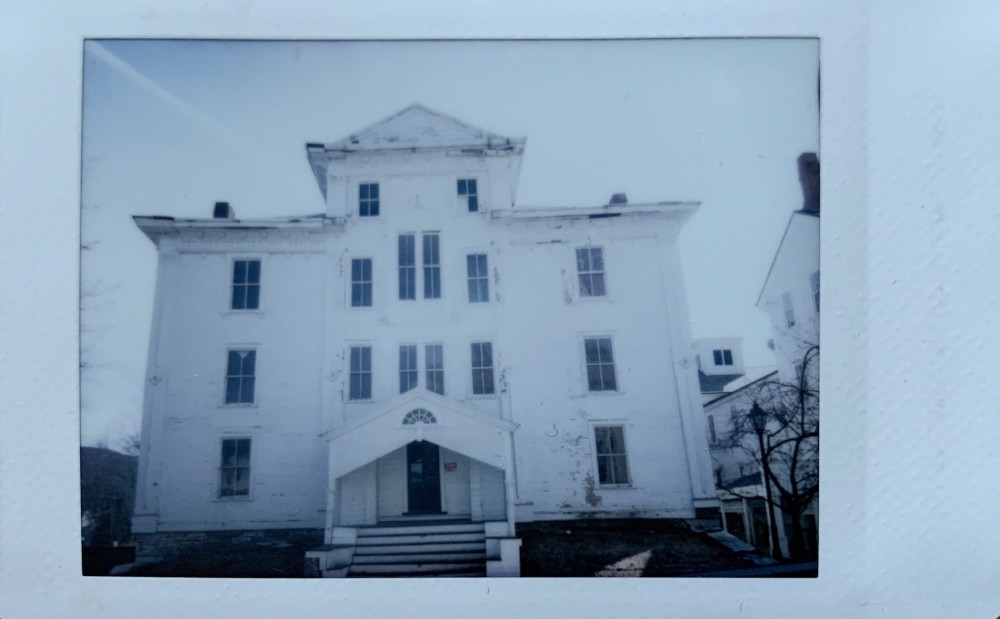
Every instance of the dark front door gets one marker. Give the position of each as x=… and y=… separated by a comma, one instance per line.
x=423, y=478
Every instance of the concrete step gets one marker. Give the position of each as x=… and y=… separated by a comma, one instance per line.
x=393, y=540
x=419, y=548
x=398, y=569
x=397, y=558
x=411, y=529
x=476, y=572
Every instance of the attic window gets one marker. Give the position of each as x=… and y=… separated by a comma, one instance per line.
x=467, y=189
x=368, y=201
x=723, y=356
x=418, y=415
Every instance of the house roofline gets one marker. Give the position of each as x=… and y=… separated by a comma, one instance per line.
x=750, y=384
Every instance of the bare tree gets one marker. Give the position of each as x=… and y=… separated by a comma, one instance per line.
x=791, y=444
x=129, y=444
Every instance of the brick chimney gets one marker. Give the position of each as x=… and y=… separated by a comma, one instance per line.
x=619, y=198
x=222, y=210
x=809, y=179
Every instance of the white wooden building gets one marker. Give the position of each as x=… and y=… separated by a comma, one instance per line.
x=423, y=353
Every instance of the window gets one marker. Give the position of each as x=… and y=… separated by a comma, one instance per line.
x=814, y=282
x=590, y=270
x=467, y=189
x=240, y=376
x=407, y=368
x=407, y=267
x=723, y=356
x=479, y=279
x=361, y=373
x=482, y=368
x=434, y=366
x=786, y=302
x=246, y=285
x=361, y=282
x=711, y=430
x=612, y=464
x=368, y=199
x=600, y=364
x=432, y=265
x=234, y=469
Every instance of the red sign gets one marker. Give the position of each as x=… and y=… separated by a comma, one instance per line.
x=450, y=466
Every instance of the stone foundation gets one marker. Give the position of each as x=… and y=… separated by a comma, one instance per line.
x=165, y=545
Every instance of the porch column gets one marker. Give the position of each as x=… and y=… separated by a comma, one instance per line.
x=332, y=498
x=508, y=479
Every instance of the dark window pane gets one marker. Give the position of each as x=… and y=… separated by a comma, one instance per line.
x=232, y=390
x=594, y=377
x=477, y=356
x=590, y=346
x=717, y=357
x=249, y=362
x=473, y=291
x=356, y=270
x=228, y=453
x=366, y=386
x=228, y=477
x=582, y=260
x=239, y=272
x=243, y=452
x=363, y=191
x=487, y=354
x=253, y=272
x=355, y=295
x=461, y=187
x=366, y=270
x=246, y=392
x=585, y=287
x=608, y=377
x=373, y=190
x=616, y=440
x=596, y=259
x=603, y=474
x=477, y=381
x=252, y=297
x=597, y=285
x=472, y=186
x=239, y=297
x=355, y=359
x=471, y=265
x=366, y=299
x=355, y=393
x=473, y=204
x=488, y=381
x=481, y=263
x=604, y=345
x=619, y=470
x=233, y=363
x=727, y=356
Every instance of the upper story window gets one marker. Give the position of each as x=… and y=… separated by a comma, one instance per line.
x=612, y=459
x=723, y=356
x=467, y=189
x=478, y=277
x=368, y=200
x=246, y=285
x=361, y=282
x=407, y=267
x=241, y=368
x=482, y=368
x=432, y=265
x=814, y=282
x=600, y=364
x=434, y=367
x=361, y=373
x=408, y=372
x=590, y=270
x=786, y=304
x=234, y=468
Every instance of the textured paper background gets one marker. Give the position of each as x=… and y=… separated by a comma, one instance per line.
x=910, y=155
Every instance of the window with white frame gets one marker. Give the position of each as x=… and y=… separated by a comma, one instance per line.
x=246, y=285
x=407, y=267
x=482, y=368
x=478, y=277
x=786, y=304
x=434, y=367
x=467, y=189
x=722, y=356
x=408, y=373
x=612, y=458
x=361, y=282
x=241, y=368
x=590, y=271
x=368, y=201
x=234, y=468
x=600, y=361
x=432, y=265
x=814, y=282
x=361, y=373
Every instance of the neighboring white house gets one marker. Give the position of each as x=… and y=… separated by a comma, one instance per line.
x=790, y=296
x=423, y=353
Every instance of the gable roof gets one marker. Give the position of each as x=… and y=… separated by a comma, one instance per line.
x=781, y=244
x=418, y=126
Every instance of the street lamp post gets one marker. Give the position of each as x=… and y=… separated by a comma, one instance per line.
x=758, y=419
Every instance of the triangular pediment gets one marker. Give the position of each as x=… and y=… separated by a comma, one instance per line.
x=419, y=127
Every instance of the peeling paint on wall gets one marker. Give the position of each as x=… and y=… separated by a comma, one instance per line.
x=593, y=499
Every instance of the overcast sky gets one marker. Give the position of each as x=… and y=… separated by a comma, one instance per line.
x=171, y=127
